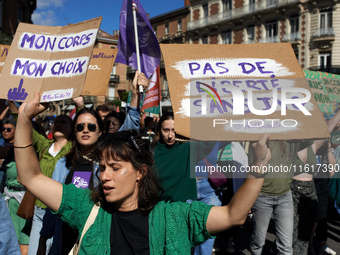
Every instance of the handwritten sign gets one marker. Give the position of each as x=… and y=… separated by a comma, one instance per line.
x=53, y=60
x=325, y=88
x=238, y=92
x=3, y=55
x=99, y=71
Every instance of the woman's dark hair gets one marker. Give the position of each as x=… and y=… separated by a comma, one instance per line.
x=10, y=121
x=74, y=156
x=118, y=115
x=39, y=128
x=166, y=116
x=130, y=147
x=70, y=122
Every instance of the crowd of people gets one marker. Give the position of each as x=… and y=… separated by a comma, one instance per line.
x=143, y=179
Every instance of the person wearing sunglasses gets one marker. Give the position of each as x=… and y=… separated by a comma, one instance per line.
x=12, y=190
x=130, y=219
x=77, y=167
x=7, y=132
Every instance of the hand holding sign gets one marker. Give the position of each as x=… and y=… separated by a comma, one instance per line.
x=33, y=107
x=17, y=93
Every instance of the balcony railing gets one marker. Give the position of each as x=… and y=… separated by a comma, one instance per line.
x=114, y=78
x=273, y=39
x=238, y=12
x=291, y=37
x=249, y=41
x=324, y=32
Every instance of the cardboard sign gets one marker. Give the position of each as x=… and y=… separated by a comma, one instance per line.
x=325, y=88
x=53, y=60
x=99, y=72
x=3, y=55
x=238, y=92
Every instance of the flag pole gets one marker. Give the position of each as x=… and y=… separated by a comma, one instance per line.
x=134, y=7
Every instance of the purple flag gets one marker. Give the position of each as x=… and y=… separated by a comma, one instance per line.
x=150, y=54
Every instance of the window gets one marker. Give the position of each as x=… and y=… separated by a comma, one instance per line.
x=205, y=10
x=227, y=5
x=112, y=92
x=325, y=19
x=113, y=71
x=251, y=5
x=179, y=25
x=324, y=61
x=166, y=28
x=271, y=29
x=204, y=39
x=294, y=24
x=226, y=37
x=155, y=30
x=251, y=34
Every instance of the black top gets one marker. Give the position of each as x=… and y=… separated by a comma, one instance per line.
x=129, y=233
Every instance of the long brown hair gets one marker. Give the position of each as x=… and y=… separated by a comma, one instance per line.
x=130, y=147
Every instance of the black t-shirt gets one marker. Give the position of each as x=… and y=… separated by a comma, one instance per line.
x=129, y=233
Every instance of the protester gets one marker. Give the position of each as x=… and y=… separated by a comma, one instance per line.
x=14, y=191
x=305, y=200
x=103, y=110
x=115, y=122
x=147, y=128
x=275, y=197
x=326, y=158
x=8, y=240
x=172, y=161
x=77, y=167
x=49, y=152
x=128, y=196
x=7, y=131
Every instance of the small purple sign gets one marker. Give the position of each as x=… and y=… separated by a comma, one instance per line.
x=81, y=179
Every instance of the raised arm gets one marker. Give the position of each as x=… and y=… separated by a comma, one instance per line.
x=235, y=213
x=138, y=80
x=4, y=112
x=29, y=174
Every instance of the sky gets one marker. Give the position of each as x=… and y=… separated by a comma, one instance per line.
x=64, y=12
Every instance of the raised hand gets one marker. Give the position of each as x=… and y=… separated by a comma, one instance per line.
x=34, y=107
x=261, y=151
x=140, y=80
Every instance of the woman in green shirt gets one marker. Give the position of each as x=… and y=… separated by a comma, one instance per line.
x=138, y=223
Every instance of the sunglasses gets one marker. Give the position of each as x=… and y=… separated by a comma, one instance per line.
x=90, y=126
x=6, y=129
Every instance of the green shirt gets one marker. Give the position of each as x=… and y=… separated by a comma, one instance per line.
x=174, y=228
x=173, y=165
x=281, y=166
x=46, y=161
x=11, y=171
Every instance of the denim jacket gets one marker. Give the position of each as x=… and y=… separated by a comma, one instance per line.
x=8, y=239
x=132, y=120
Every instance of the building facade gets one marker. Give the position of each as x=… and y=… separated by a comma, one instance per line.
x=12, y=12
x=311, y=26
